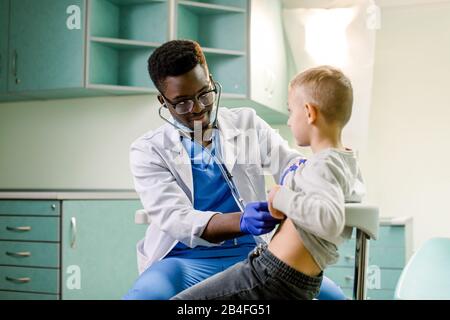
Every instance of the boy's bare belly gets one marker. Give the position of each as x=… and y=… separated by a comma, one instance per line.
x=287, y=246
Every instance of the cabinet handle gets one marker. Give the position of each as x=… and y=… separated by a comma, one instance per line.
x=14, y=65
x=18, y=280
x=349, y=278
x=18, y=254
x=73, y=226
x=19, y=229
x=349, y=257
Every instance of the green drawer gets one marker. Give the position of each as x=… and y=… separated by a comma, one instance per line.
x=11, y=295
x=33, y=254
x=29, y=279
x=344, y=276
x=390, y=236
x=33, y=228
x=29, y=207
x=384, y=257
x=346, y=256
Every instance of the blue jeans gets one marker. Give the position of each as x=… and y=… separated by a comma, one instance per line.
x=170, y=276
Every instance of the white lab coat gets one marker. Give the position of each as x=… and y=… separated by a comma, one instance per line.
x=162, y=176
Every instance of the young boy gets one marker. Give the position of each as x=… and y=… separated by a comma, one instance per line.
x=310, y=200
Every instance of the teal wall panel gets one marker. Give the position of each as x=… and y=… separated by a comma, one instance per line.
x=104, y=19
x=133, y=68
x=104, y=64
x=144, y=22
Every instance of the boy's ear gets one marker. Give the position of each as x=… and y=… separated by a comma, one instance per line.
x=311, y=112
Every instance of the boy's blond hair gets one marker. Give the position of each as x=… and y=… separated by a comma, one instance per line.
x=329, y=90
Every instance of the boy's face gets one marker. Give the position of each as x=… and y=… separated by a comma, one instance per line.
x=298, y=116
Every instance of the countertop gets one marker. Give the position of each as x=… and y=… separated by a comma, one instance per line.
x=67, y=194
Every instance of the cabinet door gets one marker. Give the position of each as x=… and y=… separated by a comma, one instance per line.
x=4, y=18
x=46, y=44
x=99, y=248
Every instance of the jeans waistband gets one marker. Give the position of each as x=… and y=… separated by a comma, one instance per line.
x=286, y=272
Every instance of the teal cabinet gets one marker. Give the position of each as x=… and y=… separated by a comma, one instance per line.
x=46, y=45
x=386, y=259
x=99, y=248
x=4, y=22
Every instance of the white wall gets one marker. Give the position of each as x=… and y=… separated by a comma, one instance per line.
x=72, y=143
x=407, y=166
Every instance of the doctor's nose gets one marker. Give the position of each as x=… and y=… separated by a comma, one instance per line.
x=197, y=107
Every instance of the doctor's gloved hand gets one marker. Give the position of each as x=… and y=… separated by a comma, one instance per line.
x=256, y=219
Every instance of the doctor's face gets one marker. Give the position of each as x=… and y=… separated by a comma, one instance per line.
x=191, y=85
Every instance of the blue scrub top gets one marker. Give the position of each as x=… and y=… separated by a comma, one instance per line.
x=211, y=193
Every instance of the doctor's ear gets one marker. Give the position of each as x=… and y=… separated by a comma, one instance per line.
x=161, y=100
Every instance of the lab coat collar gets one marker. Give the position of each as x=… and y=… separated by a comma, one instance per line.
x=229, y=148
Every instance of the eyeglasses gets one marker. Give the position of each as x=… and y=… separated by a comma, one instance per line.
x=204, y=99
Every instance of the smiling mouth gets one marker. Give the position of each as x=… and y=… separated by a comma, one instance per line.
x=199, y=116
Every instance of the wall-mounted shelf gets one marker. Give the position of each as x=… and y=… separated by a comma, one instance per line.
x=107, y=52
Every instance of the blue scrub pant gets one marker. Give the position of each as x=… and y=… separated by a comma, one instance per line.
x=168, y=277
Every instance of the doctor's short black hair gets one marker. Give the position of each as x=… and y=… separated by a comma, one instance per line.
x=174, y=58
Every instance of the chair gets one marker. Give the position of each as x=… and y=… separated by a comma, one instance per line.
x=365, y=219
x=427, y=274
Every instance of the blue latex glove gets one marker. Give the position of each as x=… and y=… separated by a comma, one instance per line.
x=256, y=219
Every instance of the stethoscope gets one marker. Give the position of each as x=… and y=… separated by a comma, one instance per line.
x=185, y=131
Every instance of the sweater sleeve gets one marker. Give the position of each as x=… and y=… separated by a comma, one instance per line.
x=316, y=204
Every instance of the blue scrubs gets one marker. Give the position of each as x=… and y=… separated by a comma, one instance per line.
x=184, y=266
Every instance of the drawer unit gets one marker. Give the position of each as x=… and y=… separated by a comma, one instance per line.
x=32, y=254
x=29, y=279
x=27, y=228
x=30, y=249
x=29, y=208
